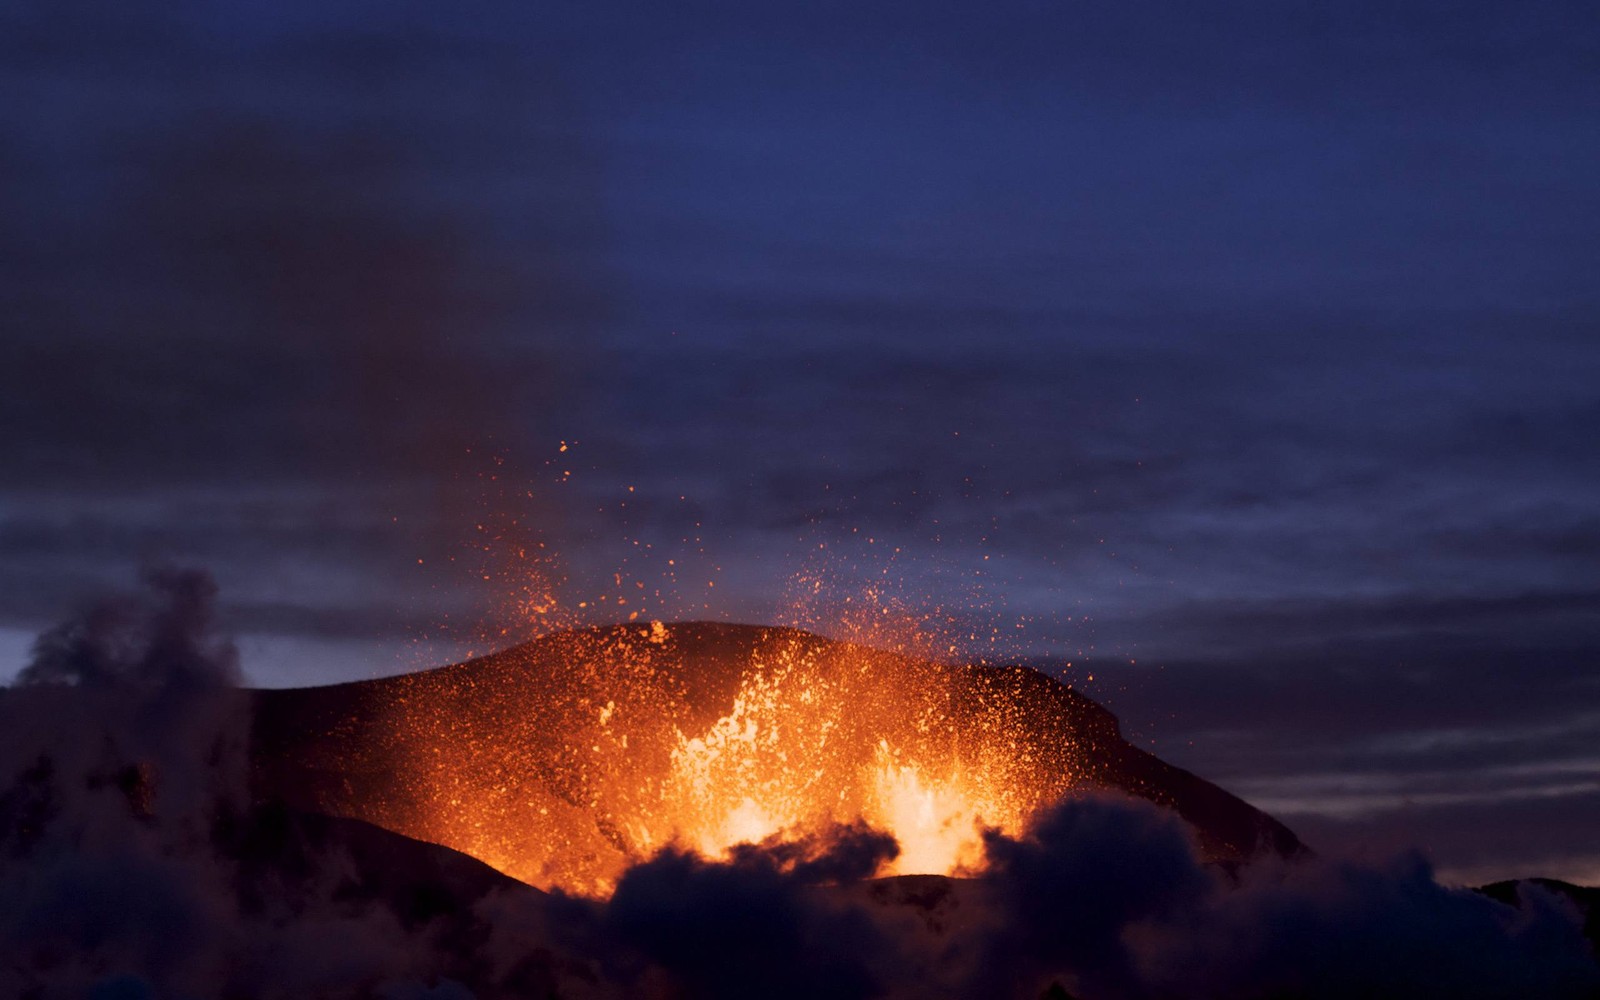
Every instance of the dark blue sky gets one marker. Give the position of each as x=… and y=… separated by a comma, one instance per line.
x=1253, y=342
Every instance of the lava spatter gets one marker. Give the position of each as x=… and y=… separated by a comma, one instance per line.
x=563, y=761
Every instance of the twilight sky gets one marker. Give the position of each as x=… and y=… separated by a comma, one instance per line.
x=1244, y=355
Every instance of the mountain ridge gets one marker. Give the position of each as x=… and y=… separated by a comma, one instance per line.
x=315, y=747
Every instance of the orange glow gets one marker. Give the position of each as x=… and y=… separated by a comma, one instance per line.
x=789, y=759
x=566, y=760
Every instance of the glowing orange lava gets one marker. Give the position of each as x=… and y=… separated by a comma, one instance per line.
x=566, y=760
x=797, y=753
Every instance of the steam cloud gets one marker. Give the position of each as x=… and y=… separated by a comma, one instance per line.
x=159, y=639
x=132, y=864
x=753, y=925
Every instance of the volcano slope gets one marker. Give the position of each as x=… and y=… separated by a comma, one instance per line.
x=611, y=762
x=563, y=761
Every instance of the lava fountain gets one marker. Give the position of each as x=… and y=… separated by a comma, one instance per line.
x=563, y=761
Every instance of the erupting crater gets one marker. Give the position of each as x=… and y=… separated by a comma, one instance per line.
x=563, y=761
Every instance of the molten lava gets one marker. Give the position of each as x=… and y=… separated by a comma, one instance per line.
x=807, y=745
x=566, y=760
x=617, y=728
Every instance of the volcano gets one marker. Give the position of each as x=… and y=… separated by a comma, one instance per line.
x=725, y=811
x=563, y=761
